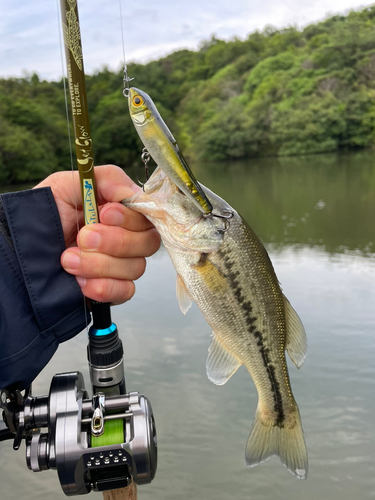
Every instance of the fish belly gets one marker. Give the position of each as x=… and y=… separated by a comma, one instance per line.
x=238, y=293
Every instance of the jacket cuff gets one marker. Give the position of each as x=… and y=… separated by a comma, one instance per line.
x=38, y=239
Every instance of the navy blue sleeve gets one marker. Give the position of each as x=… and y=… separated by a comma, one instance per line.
x=40, y=304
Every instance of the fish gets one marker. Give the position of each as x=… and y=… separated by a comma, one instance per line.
x=163, y=147
x=224, y=268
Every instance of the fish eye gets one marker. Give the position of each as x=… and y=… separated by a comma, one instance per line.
x=137, y=101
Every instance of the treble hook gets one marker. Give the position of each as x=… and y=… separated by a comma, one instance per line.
x=226, y=214
x=145, y=157
x=126, y=80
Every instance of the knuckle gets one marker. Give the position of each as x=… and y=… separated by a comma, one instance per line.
x=139, y=267
x=129, y=291
x=114, y=291
x=153, y=242
x=103, y=290
x=55, y=177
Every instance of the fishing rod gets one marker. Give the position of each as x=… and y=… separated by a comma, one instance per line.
x=103, y=328
x=108, y=441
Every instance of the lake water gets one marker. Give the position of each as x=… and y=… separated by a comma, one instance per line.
x=316, y=217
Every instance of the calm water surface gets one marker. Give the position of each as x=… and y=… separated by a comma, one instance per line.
x=315, y=216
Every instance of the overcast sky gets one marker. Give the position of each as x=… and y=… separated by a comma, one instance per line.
x=29, y=37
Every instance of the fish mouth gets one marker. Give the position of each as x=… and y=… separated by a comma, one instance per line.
x=158, y=180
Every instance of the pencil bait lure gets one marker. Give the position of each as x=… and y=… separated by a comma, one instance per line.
x=163, y=147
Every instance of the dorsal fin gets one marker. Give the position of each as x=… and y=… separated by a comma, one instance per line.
x=296, y=341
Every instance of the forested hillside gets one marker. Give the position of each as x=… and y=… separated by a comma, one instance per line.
x=279, y=92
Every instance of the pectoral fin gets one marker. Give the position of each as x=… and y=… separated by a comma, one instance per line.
x=183, y=296
x=220, y=364
x=296, y=341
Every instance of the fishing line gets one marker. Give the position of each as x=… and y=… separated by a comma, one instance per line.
x=75, y=196
x=122, y=31
x=126, y=78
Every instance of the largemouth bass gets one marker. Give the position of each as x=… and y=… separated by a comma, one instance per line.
x=163, y=148
x=222, y=265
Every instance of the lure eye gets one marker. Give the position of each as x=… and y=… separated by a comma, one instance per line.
x=137, y=101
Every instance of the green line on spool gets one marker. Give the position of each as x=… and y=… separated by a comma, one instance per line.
x=113, y=434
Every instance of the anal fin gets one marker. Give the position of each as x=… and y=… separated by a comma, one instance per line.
x=296, y=341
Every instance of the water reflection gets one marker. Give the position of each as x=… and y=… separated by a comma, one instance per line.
x=323, y=200
x=327, y=270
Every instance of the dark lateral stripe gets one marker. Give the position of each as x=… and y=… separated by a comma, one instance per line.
x=246, y=306
x=275, y=386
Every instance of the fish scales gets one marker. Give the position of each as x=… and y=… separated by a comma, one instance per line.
x=225, y=269
x=252, y=312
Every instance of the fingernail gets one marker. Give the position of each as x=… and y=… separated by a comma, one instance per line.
x=135, y=188
x=114, y=218
x=89, y=239
x=81, y=281
x=71, y=261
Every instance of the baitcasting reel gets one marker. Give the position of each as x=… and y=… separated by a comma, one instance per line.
x=61, y=432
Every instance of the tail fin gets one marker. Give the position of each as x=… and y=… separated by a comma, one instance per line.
x=267, y=439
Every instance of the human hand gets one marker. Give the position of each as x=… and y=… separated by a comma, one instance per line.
x=109, y=255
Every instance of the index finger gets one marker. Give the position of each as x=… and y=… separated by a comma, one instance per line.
x=113, y=184
x=116, y=214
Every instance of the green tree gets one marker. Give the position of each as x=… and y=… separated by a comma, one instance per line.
x=278, y=92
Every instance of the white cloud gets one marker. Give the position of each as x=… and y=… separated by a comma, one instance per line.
x=29, y=39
